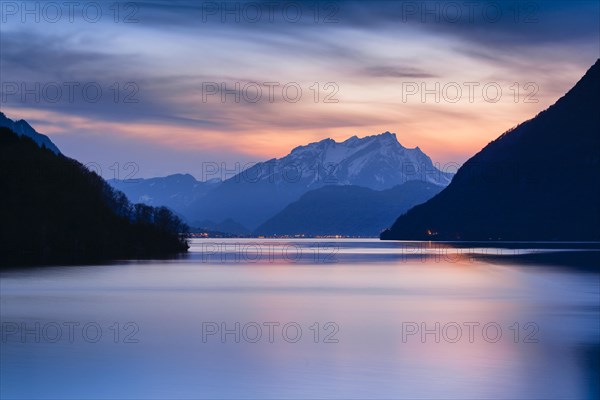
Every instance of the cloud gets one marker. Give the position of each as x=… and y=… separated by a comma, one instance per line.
x=367, y=49
x=396, y=72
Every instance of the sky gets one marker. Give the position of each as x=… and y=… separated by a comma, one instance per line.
x=175, y=86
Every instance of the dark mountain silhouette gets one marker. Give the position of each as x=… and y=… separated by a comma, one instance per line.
x=53, y=210
x=377, y=162
x=176, y=191
x=538, y=181
x=22, y=128
x=347, y=210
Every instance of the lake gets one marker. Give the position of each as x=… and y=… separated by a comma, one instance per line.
x=309, y=318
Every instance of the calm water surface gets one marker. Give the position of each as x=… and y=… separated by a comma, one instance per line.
x=308, y=319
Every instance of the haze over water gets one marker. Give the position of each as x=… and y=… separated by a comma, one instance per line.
x=366, y=296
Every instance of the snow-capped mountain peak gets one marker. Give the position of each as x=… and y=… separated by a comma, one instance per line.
x=377, y=162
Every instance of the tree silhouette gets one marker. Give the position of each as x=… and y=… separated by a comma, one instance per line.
x=53, y=210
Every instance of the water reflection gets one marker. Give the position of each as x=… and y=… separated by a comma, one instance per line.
x=375, y=293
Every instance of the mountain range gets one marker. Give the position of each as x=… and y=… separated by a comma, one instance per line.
x=347, y=210
x=22, y=128
x=357, y=171
x=55, y=211
x=177, y=191
x=538, y=181
x=375, y=162
x=245, y=201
